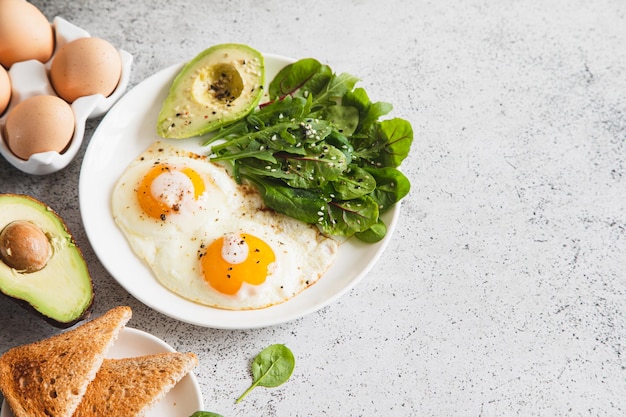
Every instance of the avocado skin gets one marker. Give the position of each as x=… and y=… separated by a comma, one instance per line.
x=194, y=108
x=58, y=324
x=32, y=205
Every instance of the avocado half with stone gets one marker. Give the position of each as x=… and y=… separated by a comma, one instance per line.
x=41, y=267
x=221, y=85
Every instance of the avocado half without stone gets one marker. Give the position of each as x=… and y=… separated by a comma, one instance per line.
x=220, y=85
x=41, y=267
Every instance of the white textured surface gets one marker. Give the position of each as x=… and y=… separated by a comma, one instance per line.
x=503, y=292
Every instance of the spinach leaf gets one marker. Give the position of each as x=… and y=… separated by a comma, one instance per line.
x=298, y=203
x=322, y=164
x=258, y=168
x=334, y=90
x=273, y=115
x=369, y=112
x=383, y=144
x=374, y=234
x=397, y=136
x=347, y=217
x=355, y=182
x=205, y=414
x=345, y=118
x=391, y=187
x=271, y=368
x=341, y=142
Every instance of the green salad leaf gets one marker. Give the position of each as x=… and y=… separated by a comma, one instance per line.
x=205, y=414
x=308, y=77
x=271, y=368
x=319, y=151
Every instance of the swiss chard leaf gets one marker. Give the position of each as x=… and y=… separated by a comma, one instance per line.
x=308, y=77
x=301, y=78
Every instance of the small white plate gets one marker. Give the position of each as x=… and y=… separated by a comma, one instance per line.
x=181, y=401
x=124, y=133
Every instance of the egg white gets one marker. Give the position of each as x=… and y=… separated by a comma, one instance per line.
x=145, y=233
x=171, y=248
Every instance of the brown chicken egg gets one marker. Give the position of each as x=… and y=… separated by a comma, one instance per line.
x=25, y=33
x=39, y=124
x=5, y=89
x=84, y=67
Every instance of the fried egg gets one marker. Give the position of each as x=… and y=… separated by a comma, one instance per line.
x=211, y=240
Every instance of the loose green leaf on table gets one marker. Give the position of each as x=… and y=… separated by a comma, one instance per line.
x=205, y=414
x=271, y=368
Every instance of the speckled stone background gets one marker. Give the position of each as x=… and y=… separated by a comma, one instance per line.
x=503, y=291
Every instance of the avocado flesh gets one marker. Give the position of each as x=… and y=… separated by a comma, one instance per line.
x=220, y=85
x=61, y=292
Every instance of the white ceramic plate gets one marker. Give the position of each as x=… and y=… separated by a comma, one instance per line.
x=124, y=133
x=181, y=401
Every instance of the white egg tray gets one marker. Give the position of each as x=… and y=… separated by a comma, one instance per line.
x=30, y=78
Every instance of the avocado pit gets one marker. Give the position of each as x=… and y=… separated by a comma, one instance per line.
x=24, y=246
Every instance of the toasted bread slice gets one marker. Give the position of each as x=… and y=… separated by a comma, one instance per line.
x=130, y=387
x=50, y=377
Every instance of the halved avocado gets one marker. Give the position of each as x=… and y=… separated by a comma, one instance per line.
x=41, y=267
x=221, y=85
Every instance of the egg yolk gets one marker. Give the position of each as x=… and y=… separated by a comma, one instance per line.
x=162, y=190
x=234, y=259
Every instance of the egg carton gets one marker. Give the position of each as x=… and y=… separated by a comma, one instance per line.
x=30, y=78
